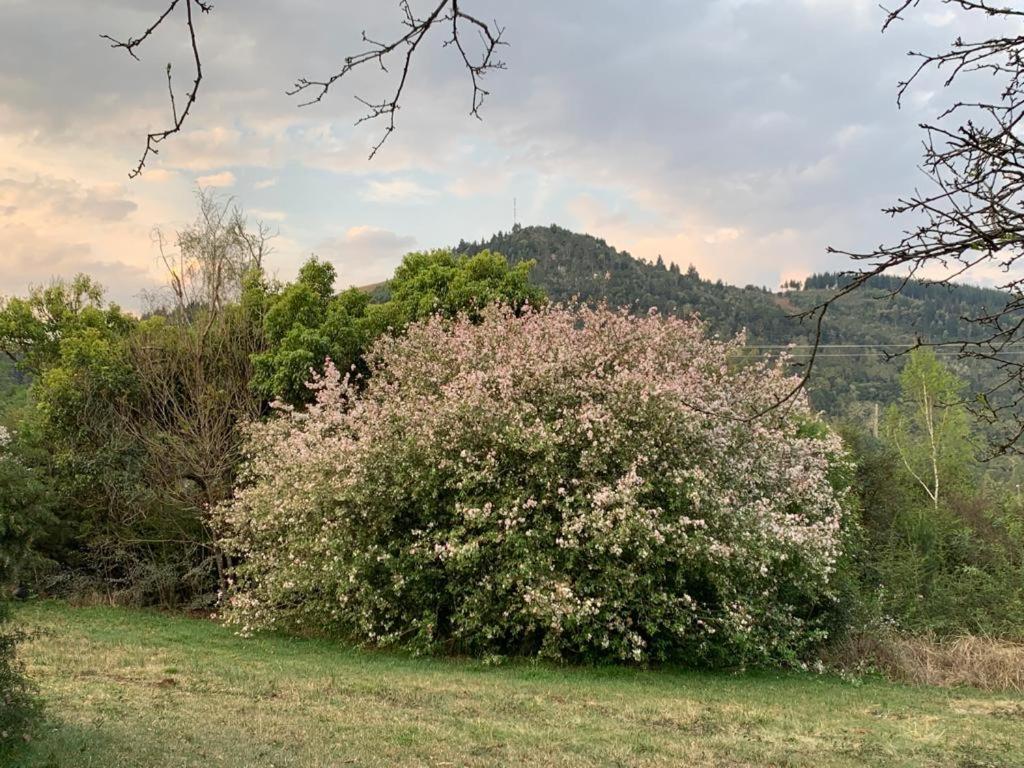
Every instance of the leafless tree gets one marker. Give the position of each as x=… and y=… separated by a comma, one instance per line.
x=970, y=214
x=476, y=41
x=194, y=369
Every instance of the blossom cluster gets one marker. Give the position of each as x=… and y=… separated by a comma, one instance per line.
x=569, y=482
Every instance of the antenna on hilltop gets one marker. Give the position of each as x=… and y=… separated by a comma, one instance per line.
x=515, y=213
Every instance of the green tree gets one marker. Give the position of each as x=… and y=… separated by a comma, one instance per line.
x=929, y=427
x=72, y=344
x=33, y=328
x=306, y=323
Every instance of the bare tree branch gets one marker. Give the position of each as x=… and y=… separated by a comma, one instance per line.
x=129, y=45
x=972, y=215
x=445, y=12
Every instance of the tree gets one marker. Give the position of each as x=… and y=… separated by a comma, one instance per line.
x=192, y=367
x=73, y=344
x=306, y=323
x=32, y=328
x=929, y=427
x=972, y=215
x=445, y=14
x=25, y=512
x=137, y=420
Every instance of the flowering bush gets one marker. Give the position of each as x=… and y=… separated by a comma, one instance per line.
x=579, y=484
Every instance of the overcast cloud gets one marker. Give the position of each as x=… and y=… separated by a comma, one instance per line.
x=742, y=136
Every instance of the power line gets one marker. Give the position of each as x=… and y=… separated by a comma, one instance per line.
x=805, y=351
x=995, y=356
x=871, y=346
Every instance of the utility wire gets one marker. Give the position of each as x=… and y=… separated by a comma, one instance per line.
x=870, y=346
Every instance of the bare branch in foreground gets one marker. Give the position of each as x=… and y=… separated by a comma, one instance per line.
x=447, y=13
x=132, y=43
x=972, y=215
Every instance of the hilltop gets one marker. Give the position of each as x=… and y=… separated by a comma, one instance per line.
x=848, y=380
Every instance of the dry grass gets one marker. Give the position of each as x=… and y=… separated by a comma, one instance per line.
x=979, y=662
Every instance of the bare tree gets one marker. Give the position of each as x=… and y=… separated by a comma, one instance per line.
x=970, y=215
x=194, y=369
x=476, y=41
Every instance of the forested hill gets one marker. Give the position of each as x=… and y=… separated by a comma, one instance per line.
x=571, y=265
x=849, y=379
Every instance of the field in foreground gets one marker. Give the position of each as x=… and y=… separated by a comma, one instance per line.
x=132, y=688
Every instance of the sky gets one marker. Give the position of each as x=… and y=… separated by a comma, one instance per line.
x=740, y=136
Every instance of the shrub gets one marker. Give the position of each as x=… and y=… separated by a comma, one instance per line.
x=935, y=572
x=22, y=510
x=941, y=569
x=18, y=705
x=579, y=484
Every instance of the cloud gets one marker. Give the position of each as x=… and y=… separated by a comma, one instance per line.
x=365, y=255
x=849, y=135
x=65, y=198
x=943, y=19
x=398, y=191
x=222, y=179
x=723, y=235
x=265, y=215
x=722, y=121
x=158, y=175
x=31, y=258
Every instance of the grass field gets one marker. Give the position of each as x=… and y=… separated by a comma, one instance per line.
x=134, y=688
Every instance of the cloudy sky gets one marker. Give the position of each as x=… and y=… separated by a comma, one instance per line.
x=742, y=136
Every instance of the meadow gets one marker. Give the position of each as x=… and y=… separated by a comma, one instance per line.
x=130, y=687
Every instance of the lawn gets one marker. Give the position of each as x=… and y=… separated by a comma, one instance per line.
x=137, y=688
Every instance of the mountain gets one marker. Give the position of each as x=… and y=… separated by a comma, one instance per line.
x=570, y=266
x=848, y=380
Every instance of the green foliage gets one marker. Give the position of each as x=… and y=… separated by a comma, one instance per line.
x=25, y=509
x=127, y=428
x=929, y=428
x=73, y=345
x=951, y=571
x=13, y=391
x=133, y=424
x=442, y=282
x=32, y=329
x=570, y=266
x=24, y=512
x=307, y=323
x=950, y=562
